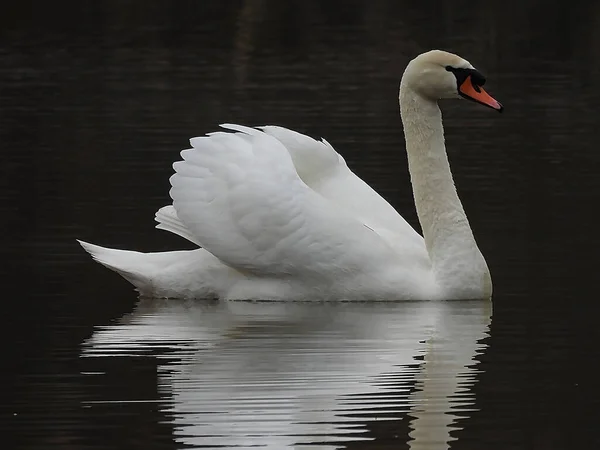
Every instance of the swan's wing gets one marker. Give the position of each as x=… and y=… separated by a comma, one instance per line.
x=240, y=196
x=313, y=160
x=325, y=171
x=169, y=221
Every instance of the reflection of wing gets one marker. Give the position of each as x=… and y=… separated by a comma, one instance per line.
x=275, y=375
x=241, y=197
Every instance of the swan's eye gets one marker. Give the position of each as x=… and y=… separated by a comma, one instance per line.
x=461, y=75
x=477, y=78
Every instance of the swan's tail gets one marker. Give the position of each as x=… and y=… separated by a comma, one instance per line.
x=175, y=274
x=131, y=265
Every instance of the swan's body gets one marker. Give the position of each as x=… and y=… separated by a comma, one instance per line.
x=280, y=216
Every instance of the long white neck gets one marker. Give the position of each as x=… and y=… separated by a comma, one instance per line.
x=459, y=267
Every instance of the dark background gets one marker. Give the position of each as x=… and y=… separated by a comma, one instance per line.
x=97, y=99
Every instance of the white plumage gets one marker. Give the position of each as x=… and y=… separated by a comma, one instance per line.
x=280, y=216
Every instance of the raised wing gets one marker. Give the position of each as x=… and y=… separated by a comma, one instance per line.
x=169, y=221
x=326, y=172
x=314, y=160
x=239, y=194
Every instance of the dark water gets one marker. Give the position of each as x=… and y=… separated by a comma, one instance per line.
x=96, y=104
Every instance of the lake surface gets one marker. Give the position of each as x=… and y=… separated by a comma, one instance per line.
x=97, y=104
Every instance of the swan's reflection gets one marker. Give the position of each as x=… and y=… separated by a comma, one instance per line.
x=280, y=375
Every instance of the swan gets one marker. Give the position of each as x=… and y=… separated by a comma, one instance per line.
x=278, y=215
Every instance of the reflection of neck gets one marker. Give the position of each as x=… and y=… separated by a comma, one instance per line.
x=447, y=372
x=458, y=264
x=436, y=384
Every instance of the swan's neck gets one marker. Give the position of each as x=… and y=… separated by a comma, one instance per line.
x=458, y=265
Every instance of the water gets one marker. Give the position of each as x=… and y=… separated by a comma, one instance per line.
x=94, y=111
x=279, y=376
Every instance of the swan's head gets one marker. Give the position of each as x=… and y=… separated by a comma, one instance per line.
x=438, y=74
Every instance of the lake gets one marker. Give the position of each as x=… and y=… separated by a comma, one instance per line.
x=97, y=104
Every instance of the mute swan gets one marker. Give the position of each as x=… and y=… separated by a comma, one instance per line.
x=280, y=216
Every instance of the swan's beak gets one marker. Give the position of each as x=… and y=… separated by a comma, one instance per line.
x=476, y=93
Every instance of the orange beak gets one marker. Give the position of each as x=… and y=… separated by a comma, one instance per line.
x=476, y=93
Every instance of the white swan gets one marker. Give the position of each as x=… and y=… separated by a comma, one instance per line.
x=280, y=216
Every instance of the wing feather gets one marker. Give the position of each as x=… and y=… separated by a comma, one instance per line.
x=325, y=171
x=167, y=220
x=239, y=194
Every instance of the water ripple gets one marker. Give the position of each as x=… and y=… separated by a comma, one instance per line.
x=282, y=375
